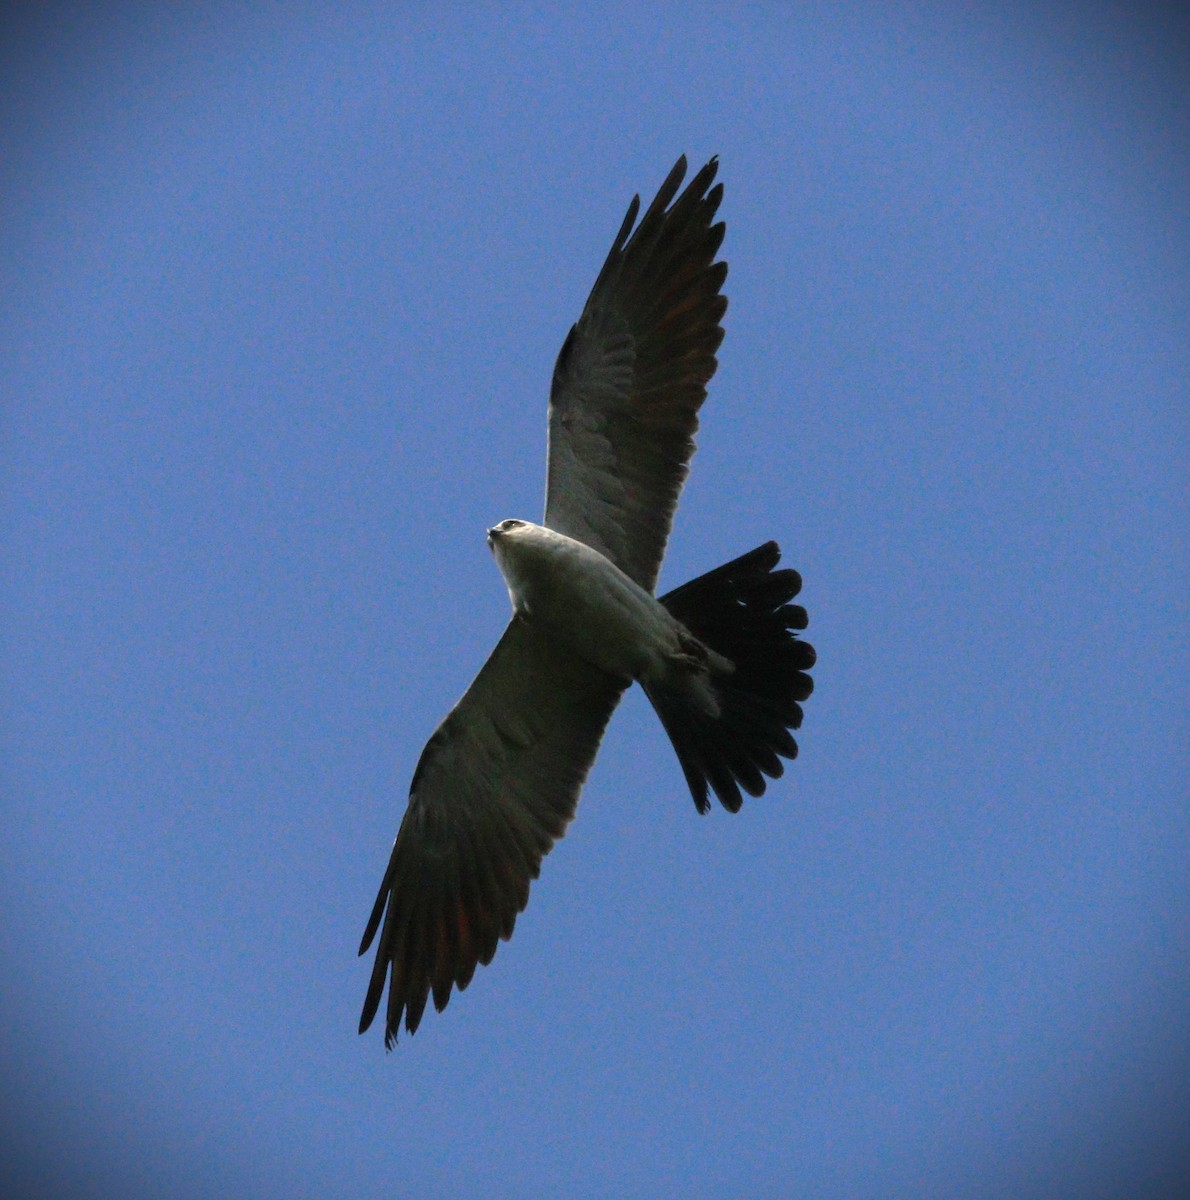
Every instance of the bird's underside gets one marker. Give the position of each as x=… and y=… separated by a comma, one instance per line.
x=719, y=657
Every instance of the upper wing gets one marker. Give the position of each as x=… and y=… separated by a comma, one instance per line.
x=632, y=375
x=496, y=785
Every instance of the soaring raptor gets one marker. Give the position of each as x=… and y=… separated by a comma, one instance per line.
x=719, y=657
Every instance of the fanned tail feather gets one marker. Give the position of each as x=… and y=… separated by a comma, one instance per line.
x=741, y=611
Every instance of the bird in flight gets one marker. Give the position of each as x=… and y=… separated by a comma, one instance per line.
x=719, y=658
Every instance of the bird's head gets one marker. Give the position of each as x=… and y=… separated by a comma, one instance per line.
x=505, y=531
x=518, y=547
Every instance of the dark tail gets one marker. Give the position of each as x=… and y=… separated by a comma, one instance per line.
x=741, y=611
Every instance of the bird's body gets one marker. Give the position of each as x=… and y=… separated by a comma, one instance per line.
x=719, y=657
x=589, y=603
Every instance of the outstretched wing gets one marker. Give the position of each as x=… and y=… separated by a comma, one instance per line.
x=632, y=375
x=496, y=785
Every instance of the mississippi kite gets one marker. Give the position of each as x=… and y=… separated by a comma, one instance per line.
x=719, y=657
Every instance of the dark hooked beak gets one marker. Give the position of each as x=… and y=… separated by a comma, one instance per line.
x=493, y=534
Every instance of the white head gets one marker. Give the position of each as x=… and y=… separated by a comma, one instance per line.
x=513, y=542
x=506, y=529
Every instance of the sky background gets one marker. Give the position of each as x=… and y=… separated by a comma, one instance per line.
x=282, y=287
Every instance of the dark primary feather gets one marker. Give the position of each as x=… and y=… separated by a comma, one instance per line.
x=632, y=375
x=496, y=786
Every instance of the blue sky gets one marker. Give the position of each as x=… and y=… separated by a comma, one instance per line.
x=282, y=291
